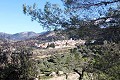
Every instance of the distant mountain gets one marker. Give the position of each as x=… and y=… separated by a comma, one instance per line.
x=4, y=35
x=43, y=36
x=24, y=35
x=18, y=36
x=50, y=36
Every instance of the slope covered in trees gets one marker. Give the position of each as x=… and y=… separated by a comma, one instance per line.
x=85, y=19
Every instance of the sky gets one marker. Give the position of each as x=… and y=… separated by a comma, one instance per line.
x=13, y=20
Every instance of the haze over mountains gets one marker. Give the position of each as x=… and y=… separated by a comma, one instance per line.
x=43, y=36
x=18, y=36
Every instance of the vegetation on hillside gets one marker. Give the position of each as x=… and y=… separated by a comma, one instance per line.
x=90, y=61
x=100, y=61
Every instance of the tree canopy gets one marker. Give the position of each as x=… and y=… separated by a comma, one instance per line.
x=71, y=13
x=80, y=18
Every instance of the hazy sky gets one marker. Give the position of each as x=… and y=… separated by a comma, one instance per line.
x=12, y=19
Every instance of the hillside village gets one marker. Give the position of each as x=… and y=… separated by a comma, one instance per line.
x=60, y=43
x=81, y=41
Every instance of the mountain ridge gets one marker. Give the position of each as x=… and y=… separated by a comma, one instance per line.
x=30, y=35
x=18, y=36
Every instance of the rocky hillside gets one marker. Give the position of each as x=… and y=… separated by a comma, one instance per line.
x=18, y=36
x=50, y=36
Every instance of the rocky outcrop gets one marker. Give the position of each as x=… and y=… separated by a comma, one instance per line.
x=69, y=76
x=73, y=76
x=53, y=74
x=60, y=72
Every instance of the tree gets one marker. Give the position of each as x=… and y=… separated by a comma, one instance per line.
x=53, y=15
x=106, y=62
x=112, y=30
x=17, y=65
x=77, y=17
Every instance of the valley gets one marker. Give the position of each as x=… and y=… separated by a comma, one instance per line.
x=81, y=40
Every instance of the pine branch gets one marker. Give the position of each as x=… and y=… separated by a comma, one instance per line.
x=97, y=4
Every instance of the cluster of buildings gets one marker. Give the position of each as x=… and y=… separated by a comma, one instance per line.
x=60, y=43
